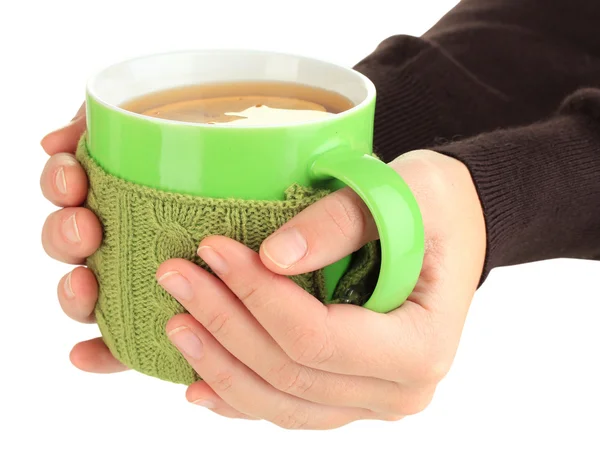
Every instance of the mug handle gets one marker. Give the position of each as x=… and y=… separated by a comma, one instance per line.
x=396, y=214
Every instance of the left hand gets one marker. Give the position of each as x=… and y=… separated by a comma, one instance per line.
x=267, y=349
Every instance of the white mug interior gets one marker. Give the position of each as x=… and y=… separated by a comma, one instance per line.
x=133, y=78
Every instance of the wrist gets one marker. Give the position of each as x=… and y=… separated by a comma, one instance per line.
x=538, y=185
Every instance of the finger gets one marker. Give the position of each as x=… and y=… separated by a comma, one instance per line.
x=227, y=319
x=66, y=138
x=71, y=234
x=201, y=394
x=244, y=390
x=94, y=356
x=323, y=233
x=63, y=181
x=340, y=339
x=77, y=295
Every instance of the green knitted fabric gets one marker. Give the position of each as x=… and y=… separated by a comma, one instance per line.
x=143, y=227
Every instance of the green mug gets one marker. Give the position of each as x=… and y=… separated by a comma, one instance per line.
x=131, y=158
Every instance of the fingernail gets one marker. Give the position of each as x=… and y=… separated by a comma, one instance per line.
x=65, y=159
x=286, y=247
x=77, y=117
x=205, y=403
x=68, y=288
x=213, y=259
x=71, y=231
x=177, y=285
x=187, y=342
x=70, y=123
x=61, y=181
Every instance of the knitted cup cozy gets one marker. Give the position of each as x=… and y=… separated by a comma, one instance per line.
x=143, y=227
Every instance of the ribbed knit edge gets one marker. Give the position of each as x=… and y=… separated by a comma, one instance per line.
x=539, y=187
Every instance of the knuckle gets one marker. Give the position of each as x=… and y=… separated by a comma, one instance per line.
x=222, y=382
x=409, y=401
x=291, y=378
x=411, y=404
x=393, y=417
x=434, y=175
x=249, y=294
x=218, y=325
x=433, y=367
x=437, y=370
x=311, y=348
x=294, y=419
x=259, y=294
x=348, y=217
x=429, y=370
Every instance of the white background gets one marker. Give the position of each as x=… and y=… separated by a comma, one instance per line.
x=523, y=392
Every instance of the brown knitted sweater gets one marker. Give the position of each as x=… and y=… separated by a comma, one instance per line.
x=512, y=89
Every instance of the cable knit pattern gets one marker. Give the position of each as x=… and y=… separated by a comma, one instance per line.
x=144, y=227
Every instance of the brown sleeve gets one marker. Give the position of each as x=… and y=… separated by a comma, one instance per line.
x=539, y=185
x=487, y=64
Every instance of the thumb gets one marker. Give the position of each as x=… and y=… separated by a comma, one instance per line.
x=323, y=233
x=66, y=138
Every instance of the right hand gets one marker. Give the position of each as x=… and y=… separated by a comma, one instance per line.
x=70, y=235
x=455, y=249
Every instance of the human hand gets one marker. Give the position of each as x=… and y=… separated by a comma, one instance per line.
x=383, y=374
x=267, y=349
x=70, y=235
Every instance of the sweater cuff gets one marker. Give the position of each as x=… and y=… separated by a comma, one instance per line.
x=424, y=97
x=539, y=187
